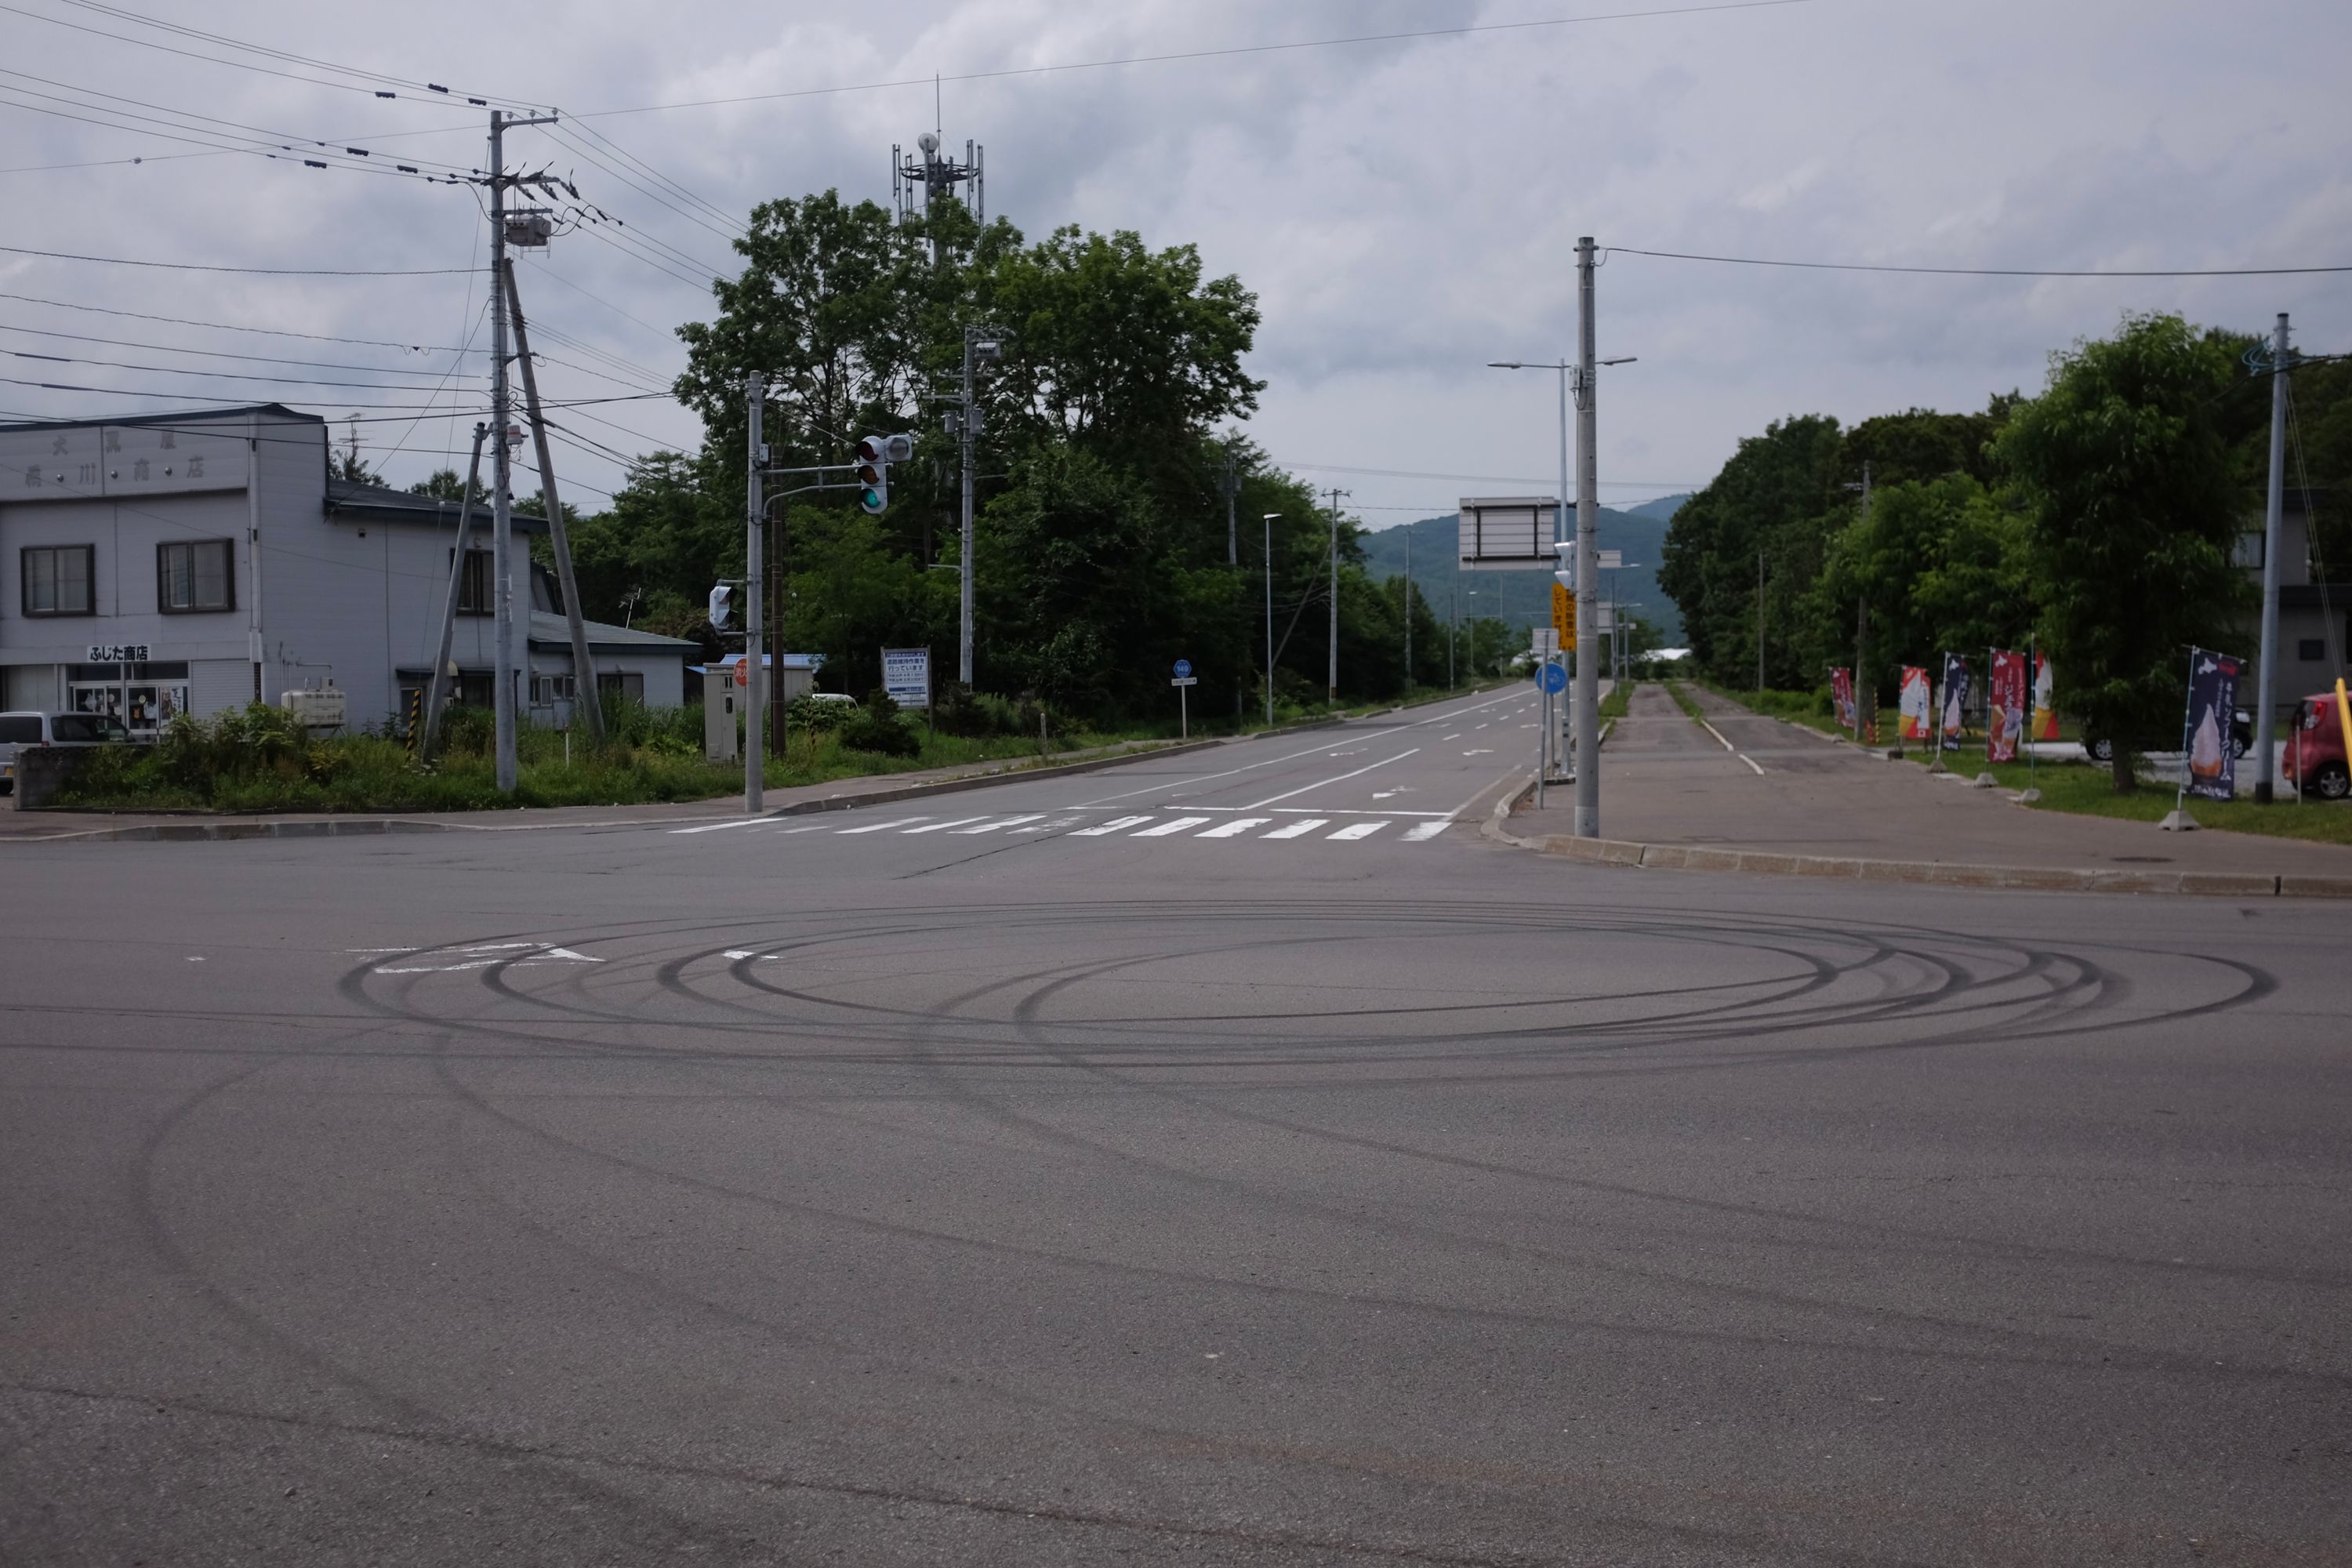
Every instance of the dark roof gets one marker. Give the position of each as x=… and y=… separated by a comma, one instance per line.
x=552, y=631
x=382, y=503
x=185, y=416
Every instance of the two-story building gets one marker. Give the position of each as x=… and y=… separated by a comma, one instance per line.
x=161, y=563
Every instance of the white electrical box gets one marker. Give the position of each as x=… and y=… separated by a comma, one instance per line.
x=319, y=707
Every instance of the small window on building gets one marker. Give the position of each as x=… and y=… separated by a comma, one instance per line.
x=2248, y=553
x=56, y=579
x=2311, y=651
x=628, y=683
x=473, y=596
x=196, y=576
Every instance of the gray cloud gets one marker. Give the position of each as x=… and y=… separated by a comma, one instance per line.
x=1404, y=209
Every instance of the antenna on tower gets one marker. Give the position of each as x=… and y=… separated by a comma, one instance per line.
x=919, y=181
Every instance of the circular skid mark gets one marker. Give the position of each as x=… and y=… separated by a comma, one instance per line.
x=1406, y=989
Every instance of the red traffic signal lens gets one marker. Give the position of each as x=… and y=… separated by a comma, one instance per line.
x=869, y=473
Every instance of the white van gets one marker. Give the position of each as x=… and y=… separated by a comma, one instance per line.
x=31, y=728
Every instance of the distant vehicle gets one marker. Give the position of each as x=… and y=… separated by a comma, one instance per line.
x=2102, y=748
x=30, y=727
x=2315, y=762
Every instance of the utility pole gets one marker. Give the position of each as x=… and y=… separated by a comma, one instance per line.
x=1408, y=609
x=2273, y=516
x=977, y=344
x=1269, y=620
x=437, y=690
x=1588, y=560
x=583, y=669
x=1452, y=626
x=1233, y=487
x=502, y=470
x=1333, y=698
x=1861, y=631
x=1759, y=620
x=755, y=707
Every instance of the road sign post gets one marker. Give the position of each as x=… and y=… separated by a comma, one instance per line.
x=1184, y=678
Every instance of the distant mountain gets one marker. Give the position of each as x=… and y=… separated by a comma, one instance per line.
x=1524, y=598
x=1662, y=509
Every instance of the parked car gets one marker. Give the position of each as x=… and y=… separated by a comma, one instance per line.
x=29, y=727
x=2102, y=748
x=2315, y=762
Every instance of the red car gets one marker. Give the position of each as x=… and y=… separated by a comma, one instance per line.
x=2315, y=762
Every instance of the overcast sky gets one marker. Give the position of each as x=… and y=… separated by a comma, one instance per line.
x=1405, y=209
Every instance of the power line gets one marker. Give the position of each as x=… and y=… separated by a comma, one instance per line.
x=1987, y=271
x=220, y=375
x=1485, y=479
x=210, y=354
x=265, y=271
x=1227, y=53
x=230, y=327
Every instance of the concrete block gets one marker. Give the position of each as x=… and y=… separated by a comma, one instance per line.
x=2229, y=884
x=42, y=771
x=2315, y=886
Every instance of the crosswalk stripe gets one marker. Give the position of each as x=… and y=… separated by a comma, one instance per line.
x=1299, y=829
x=1008, y=822
x=1235, y=829
x=1360, y=830
x=878, y=827
x=1426, y=830
x=954, y=822
x=1115, y=824
x=1165, y=829
x=1049, y=826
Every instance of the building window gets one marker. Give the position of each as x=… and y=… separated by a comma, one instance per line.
x=628, y=683
x=2248, y=552
x=58, y=579
x=196, y=577
x=473, y=596
x=2311, y=651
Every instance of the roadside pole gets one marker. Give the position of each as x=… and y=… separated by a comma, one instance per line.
x=1588, y=562
x=436, y=689
x=502, y=694
x=755, y=707
x=2273, y=516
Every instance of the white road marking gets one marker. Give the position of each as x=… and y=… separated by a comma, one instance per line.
x=878, y=827
x=1165, y=829
x=820, y=827
x=952, y=822
x=1359, y=830
x=1421, y=831
x=720, y=826
x=1049, y=826
x=1750, y=761
x=1115, y=824
x=1299, y=829
x=1456, y=736
x=1480, y=751
x=1236, y=829
x=1008, y=822
x=1319, y=784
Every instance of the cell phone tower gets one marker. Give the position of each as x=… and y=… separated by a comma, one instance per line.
x=917, y=182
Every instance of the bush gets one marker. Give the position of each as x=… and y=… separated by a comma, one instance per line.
x=879, y=728
x=958, y=710
x=817, y=716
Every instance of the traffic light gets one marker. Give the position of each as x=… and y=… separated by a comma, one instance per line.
x=875, y=455
x=722, y=603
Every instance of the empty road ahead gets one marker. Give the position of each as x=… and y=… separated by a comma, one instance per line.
x=1231, y=1158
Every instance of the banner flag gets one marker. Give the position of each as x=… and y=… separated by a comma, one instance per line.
x=2212, y=700
x=1841, y=696
x=1918, y=704
x=2045, y=700
x=1956, y=699
x=2005, y=691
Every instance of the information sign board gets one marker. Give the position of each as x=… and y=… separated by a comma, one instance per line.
x=906, y=675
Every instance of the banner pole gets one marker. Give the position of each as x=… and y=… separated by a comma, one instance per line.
x=2188, y=708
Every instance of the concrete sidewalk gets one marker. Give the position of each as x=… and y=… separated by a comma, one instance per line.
x=1768, y=791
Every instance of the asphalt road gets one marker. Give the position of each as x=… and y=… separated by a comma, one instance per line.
x=987, y=1188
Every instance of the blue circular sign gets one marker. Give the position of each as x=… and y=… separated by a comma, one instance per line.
x=1555, y=677
x=1183, y=667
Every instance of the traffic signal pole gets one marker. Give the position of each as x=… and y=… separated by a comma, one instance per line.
x=2274, y=517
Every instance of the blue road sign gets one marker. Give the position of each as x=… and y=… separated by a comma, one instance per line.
x=1554, y=677
x=1183, y=666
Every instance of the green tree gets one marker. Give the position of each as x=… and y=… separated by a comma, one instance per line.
x=2131, y=511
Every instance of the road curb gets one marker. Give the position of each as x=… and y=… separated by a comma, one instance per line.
x=366, y=826
x=1932, y=873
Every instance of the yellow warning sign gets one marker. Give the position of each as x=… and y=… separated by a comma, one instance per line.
x=1563, y=614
